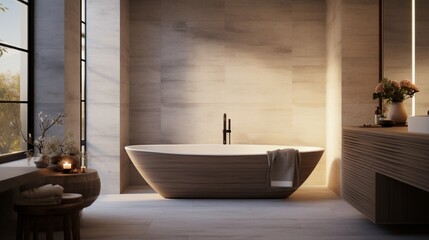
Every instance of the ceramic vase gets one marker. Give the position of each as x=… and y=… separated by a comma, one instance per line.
x=398, y=113
x=41, y=161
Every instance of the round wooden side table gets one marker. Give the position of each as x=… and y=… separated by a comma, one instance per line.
x=88, y=183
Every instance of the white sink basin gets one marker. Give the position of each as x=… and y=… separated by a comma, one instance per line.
x=418, y=124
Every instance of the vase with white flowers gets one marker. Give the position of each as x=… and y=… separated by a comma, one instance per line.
x=51, y=149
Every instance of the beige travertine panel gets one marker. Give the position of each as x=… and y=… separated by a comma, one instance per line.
x=309, y=79
x=72, y=68
x=145, y=123
x=197, y=84
x=192, y=10
x=192, y=43
x=249, y=10
x=261, y=62
x=333, y=94
x=249, y=84
x=359, y=68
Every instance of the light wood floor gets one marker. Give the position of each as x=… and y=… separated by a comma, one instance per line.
x=307, y=214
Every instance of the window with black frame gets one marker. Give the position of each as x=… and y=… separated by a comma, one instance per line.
x=83, y=77
x=16, y=73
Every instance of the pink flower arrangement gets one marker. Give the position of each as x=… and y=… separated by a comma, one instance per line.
x=395, y=91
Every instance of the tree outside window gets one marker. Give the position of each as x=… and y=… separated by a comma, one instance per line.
x=13, y=74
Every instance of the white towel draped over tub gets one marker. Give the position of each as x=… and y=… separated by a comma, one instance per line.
x=283, y=166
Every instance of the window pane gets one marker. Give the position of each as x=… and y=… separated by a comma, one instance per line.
x=10, y=139
x=83, y=10
x=83, y=121
x=83, y=80
x=13, y=23
x=82, y=44
x=13, y=76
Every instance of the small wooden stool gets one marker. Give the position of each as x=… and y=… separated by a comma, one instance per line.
x=30, y=216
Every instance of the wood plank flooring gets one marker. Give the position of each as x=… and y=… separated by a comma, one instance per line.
x=307, y=214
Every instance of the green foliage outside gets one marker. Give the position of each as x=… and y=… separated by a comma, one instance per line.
x=9, y=112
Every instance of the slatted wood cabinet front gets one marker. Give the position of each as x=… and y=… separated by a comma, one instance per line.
x=386, y=174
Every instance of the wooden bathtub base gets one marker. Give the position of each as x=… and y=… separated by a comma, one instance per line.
x=190, y=176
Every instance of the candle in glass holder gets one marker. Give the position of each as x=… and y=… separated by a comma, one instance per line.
x=66, y=167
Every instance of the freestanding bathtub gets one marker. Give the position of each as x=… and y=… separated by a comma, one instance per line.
x=214, y=171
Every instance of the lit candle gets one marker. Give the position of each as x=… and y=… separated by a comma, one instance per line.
x=67, y=165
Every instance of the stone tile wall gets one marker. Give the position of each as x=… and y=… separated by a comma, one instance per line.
x=261, y=62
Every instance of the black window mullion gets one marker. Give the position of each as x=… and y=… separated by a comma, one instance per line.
x=30, y=59
x=29, y=103
x=13, y=47
x=83, y=79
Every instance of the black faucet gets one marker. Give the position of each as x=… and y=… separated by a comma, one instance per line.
x=226, y=131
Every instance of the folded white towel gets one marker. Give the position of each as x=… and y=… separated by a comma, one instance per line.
x=283, y=168
x=47, y=190
x=51, y=200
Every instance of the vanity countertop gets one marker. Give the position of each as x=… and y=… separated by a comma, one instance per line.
x=11, y=177
x=390, y=131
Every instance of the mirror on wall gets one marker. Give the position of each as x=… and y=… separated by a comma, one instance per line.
x=397, y=55
x=422, y=56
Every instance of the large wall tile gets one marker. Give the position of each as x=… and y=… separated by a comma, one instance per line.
x=252, y=43
x=249, y=84
x=145, y=123
x=107, y=90
x=309, y=10
x=106, y=133
x=107, y=167
x=145, y=39
x=193, y=10
x=197, y=84
x=304, y=35
x=268, y=10
x=145, y=85
x=148, y=10
x=261, y=62
x=192, y=43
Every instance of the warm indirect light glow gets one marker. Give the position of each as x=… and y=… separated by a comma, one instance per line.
x=413, y=51
x=67, y=165
x=132, y=197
